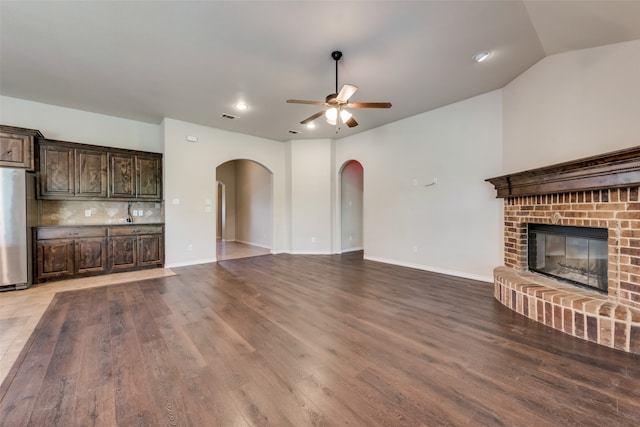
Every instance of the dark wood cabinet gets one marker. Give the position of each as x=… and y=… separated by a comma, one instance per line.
x=91, y=255
x=63, y=252
x=124, y=253
x=151, y=249
x=91, y=167
x=66, y=251
x=16, y=147
x=54, y=259
x=148, y=177
x=136, y=246
x=135, y=176
x=121, y=176
x=57, y=171
x=71, y=171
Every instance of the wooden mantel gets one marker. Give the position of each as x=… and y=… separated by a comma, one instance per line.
x=610, y=170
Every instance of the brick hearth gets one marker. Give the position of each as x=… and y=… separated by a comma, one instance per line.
x=611, y=319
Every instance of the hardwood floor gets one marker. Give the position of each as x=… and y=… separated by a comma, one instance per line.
x=301, y=340
x=234, y=250
x=20, y=311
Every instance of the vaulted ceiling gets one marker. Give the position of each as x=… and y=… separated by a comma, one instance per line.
x=194, y=60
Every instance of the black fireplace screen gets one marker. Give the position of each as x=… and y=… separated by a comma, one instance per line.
x=575, y=254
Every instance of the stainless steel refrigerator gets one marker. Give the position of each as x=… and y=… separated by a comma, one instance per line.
x=17, y=218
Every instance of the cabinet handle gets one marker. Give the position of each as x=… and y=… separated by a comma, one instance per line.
x=72, y=234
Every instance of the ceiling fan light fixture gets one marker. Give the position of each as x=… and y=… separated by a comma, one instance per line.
x=481, y=56
x=332, y=115
x=345, y=116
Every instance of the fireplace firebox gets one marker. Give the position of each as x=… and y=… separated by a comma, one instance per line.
x=574, y=254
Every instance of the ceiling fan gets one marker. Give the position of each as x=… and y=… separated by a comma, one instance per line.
x=338, y=102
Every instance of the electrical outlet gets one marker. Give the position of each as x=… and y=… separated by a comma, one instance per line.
x=190, y=247
x=87, y=212
x=415, y=249
x=313, y=240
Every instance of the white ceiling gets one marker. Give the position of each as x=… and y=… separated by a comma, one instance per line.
x=192, y=61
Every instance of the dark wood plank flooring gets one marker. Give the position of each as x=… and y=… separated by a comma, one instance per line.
x=309, y=340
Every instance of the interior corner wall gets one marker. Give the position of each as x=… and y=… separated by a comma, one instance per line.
x=573, y=105
x=253, y=204
x=190, y=172
x=67, y=124
x=452, y=227
x=311, y=190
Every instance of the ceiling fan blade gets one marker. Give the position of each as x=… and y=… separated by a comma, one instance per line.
x=369, y=105
x=300, y=101
x=312, y=118
x=346, y=92
x=351, y=122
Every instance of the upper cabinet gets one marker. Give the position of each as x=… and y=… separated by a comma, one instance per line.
x=148, y=176
x=135, y=176
x=16, y=147
x=70, y=171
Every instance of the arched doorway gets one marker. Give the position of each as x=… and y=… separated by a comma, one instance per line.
x=244, y=209
x=351, y=206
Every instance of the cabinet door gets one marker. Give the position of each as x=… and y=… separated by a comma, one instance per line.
x=149, y=177
x=54, y=258
x=150, y=249
x=124, y=252
x=121, y=176
x=92, y=173
x=91, y=255
x=16, y=151
x=57, y=171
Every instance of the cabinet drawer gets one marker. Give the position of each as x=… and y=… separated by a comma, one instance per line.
x=70, y=232
x=136, y=229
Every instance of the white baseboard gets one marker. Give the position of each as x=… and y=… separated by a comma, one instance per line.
x=252, y=244
x=462, y=274
x=191, y=262
x=354, y=249
x=311, y=253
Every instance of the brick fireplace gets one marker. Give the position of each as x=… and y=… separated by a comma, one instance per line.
x=601, y=192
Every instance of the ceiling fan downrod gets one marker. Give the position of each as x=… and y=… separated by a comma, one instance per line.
x=336, y=55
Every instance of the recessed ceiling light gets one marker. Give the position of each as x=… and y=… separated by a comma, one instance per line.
x=481, y=56
x=311, y=125
x=241, y=106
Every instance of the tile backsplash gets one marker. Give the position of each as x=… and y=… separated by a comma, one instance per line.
x=71, y=212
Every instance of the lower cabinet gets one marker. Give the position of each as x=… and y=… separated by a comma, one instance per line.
x=65, y=252
x=136, y=246
x=54, y=259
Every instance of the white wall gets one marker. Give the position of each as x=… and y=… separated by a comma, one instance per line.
x=311, y=191
x=452, y=227
x=573, y=105
x=351, y=213
x=190, y=176
x=71, y=125
x=253, y=204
